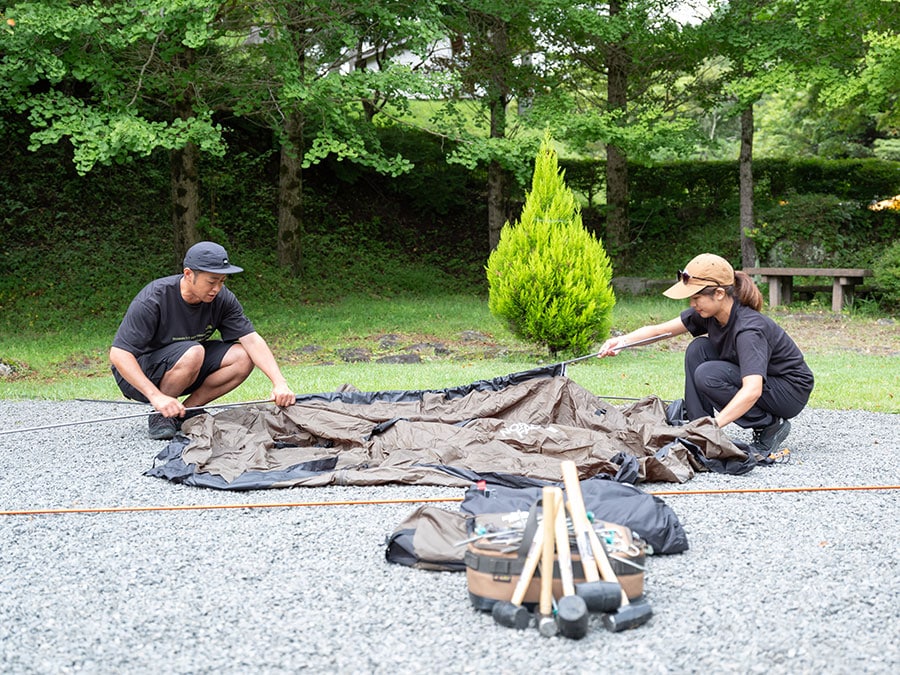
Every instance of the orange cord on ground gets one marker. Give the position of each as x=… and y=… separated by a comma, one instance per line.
x=425, y=500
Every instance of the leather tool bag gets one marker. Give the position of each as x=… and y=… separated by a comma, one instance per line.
x=494, y=560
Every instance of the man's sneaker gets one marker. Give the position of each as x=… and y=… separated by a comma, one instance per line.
x=162, y=428
x=192, y=412
x=768, y=439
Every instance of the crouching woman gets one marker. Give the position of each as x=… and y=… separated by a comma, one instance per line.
x=741, y=367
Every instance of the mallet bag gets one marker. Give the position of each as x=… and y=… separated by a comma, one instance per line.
x=494, y=562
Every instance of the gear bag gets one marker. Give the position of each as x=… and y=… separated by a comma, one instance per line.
x=495, y=559
x=427, y=538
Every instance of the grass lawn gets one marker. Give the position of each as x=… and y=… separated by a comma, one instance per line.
x=458, y=341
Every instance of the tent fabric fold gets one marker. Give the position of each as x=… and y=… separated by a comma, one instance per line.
x=514, y=429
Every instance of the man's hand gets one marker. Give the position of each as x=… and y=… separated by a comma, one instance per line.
x=283, y=396
x=168, y=406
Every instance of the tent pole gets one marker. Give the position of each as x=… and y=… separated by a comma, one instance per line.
x=125, y=417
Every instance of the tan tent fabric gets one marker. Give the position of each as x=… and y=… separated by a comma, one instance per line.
x=523, y=429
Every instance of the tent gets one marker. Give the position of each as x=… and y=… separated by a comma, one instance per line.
x=511, y=430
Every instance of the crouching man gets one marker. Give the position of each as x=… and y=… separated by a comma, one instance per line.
x=163, y=349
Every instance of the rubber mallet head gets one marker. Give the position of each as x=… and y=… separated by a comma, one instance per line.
x=632, y=615
x=600, y=597
x=511, y=613
x=512, y=616
x=572, y=617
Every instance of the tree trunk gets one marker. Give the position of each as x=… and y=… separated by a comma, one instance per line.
x=185, y=198
x=617, y=230
x=368, y=106
x=748, y=246
x=498, y=182
x=616, y=201
x=185, y=182
x=290, y=196
x=496, y=202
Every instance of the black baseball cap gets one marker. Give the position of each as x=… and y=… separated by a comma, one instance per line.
x=208, y=256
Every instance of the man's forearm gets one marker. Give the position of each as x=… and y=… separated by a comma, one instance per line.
x=130, y=369
x=258, y=351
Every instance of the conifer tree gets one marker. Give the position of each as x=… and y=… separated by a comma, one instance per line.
x=549, y=278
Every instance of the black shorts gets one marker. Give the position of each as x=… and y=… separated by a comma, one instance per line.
x=156, y=364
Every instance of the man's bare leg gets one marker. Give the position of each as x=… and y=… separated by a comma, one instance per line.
x=235, y=368
x=183, y=373
x=175, y=381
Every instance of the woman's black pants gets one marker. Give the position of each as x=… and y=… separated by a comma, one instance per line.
x=710, y=383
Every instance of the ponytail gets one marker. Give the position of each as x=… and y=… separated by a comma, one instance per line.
x=746, y=292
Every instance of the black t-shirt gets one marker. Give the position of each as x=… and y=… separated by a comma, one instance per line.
x=159, y=316
x=755, y=343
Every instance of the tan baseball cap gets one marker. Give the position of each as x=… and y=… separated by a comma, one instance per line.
x=705, y=270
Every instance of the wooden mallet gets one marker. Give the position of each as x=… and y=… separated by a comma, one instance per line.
x=511, y=613
x=545, y=622
x=598, y=595
x=571, y=610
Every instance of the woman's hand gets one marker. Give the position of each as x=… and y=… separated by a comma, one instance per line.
x=611, y=347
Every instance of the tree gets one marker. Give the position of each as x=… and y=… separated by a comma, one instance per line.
x=827, y=76
x=549, y=278
x=621, y=63
x=320, y=96
x=774, y=46
x=854, y=59
x=119, y=80
x=122, y=79
x=493, y=42
x=757, y=39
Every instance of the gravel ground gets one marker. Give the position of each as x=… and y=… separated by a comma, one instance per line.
x=790, y=582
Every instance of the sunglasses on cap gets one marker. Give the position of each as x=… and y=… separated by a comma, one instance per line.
x=685, y=278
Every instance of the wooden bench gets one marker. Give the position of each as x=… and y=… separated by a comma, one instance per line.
x=781, y=282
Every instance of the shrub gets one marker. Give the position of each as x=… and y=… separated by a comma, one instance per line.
x=887, y=275
x=811, y=230
x=549, y=278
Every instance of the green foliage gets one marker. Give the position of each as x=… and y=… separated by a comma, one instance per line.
x=473, y=151
x=791, y=123
x=866, y=40
x=860, y=179
x=887, y=148
x=309, y=70
x=549, y=278
x=887, y=275
x=101, y=138
x=586, y=45
x=107, y=76
x=818, y=230
x=822, y=74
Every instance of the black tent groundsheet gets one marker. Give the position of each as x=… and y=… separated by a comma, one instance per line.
x=511, y=430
